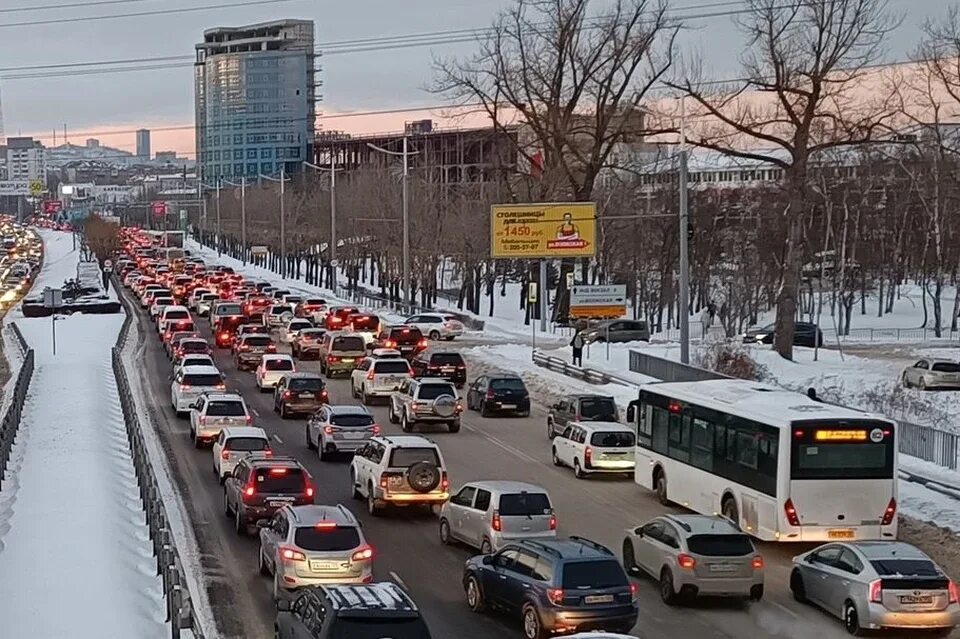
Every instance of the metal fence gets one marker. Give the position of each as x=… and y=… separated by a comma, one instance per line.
x=699, y=331
x=669, y=370
x=11, y=418
x=180, y=612
x=589, y=375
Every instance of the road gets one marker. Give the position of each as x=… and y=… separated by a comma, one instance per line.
x=408, y=548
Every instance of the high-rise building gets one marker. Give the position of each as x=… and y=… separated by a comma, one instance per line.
x=26, y=159
x=255, y=99
x=143, y=144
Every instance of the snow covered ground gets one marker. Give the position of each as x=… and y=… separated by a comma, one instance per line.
x=75, y=555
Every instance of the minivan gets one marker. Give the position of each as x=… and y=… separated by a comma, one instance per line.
x=340, y=353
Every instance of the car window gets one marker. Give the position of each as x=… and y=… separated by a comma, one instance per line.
x=449, y=359
x=827, y=556
x=323, y=539
x=525, y=564
x=732, y=545
x=614, y=439
x=225, y=408
x=669, y=536
x=567, y=432
x=653, y=530
x=306, y=384
x=601, y=409
x=247, y=443
x=278, y=365
x=279, y=480
x=508, y=383
x=464, y=497
x=280, y=310
x=848, y=562
x=391, y=366
x=433, y=391
x=404, y=457
x=517, y=504
x=921, y=364
x=352, y=420
x=257, y=340
x=380, y=628
x=202, y=379
x=482, y=502
x=229, y=309
x=505, y=558
x=543, y=570
x=586, y=575
x=945, y=367
x=350, y=343
x=905, y=567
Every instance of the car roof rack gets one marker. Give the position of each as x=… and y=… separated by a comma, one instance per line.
x=589, y=542
x=539, y=545
x=678, y=521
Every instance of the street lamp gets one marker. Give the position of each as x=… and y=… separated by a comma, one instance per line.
x=405, y=154
x=283, y=222
x=333, y=216
x=243, y=216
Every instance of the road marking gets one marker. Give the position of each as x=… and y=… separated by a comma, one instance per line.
x=785, y=609
x=397, y=579
x=507, y=447
x=254, y=411
x=277, y=437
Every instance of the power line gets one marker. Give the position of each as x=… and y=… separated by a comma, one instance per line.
x=69, y=5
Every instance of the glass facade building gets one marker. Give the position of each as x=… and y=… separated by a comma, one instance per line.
x=255, y=99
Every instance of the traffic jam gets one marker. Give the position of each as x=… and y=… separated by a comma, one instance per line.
x=524, y=572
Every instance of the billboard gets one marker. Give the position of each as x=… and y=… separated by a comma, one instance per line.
x=159, y=209
x=15, y=187
x=543, y=230
x=52, y=207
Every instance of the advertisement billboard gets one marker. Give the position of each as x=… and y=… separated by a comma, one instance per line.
x=52, y=207
x=159, y=209
x=543, y=230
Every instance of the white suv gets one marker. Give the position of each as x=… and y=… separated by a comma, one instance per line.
x=190, y=382
x=376, y=377
x=402, y=470
x=234, y=443
x=595, y=447
x=271, y=369
x=213, y=412
x=436, y=326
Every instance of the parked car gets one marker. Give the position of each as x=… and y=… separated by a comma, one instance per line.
x=299, y=393
x=262, y=484
x=436, y=326
x=804, y=334
x=340, y=428
x=233, y=443
x=340, y=353
x=871, y=585
x=489, y=514
x=399, y=471
x=932, y=374
x=615, y=331
x=491, y=394
x=595, y=447
x=695, y=555
x=439, y=363
x=581, y=408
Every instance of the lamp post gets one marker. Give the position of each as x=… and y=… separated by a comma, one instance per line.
x=283, y=221
x=332, y=275
x=243, y=216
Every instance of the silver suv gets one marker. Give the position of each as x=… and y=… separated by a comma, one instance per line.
x=311, y=545
x=488, y=514
x=428, y=400
x=695, y=555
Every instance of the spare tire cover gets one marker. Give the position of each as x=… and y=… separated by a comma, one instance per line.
x=445, y=405
x=423, y=476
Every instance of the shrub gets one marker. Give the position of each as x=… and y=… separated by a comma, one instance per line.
x=731, y=359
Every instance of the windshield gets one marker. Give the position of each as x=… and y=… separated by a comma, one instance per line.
x=257, y=340
x=319, y=539
x=586, y=575
x=199, y=379
x=197, y=361
x=380, y=628
x=391, y=366
x=278, y=365
x=406, y=335
x=433, y=391
x=905, y=567
x=508, y=383
x=247, y=443
x=842, y=450
x=280, y=310
x=446, y=359
x=618, y=439
x=306, y=384
x=309, y=335
x=348, y=344
x=229, y=309
x=225, y=408
x=299, y=325
x=365, y=322
x=601, y=409
x=175, y=315
x=279, y=480
x=194, y=347
x=403, y=457
x=314, y=301
x=946, y=367
x=732, y=545
x=349, y=421
x=516, y=504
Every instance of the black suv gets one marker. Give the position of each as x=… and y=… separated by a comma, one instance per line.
x=581, y=408
x=368, y=611
x=499, y=393
x=442, y=364
x=804, y=334
x=260, y=485
x=554, y=586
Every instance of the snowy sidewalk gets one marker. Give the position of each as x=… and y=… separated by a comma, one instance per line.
x=75, y=555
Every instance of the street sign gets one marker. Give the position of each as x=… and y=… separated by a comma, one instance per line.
x=159, y=209
x=52, y=207
x=532, y=293
x=52, y=298
x=543, y=230
x=36, y=187
x=600, y=302
x=14, y=187
x=258, y=250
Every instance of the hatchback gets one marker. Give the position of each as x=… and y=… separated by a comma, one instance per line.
x=190, y=382
x=488, y=514
x=443, y=364
x=343, y=428
x=272, y=367
x=262, y=484
x=306, y=343
x=930, y=373
x=233, y=443
x=595, y=447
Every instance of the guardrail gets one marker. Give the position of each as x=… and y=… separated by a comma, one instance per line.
x=180, y=611
x=589, y=375
x=11, y=418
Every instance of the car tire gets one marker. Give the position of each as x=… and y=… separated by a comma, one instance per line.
x=405, y=424
x=474, y=595
x=454, y=427
x=851, y=620
x=372, y=508
x=445, y=538
x=484, y=411
x=629, y=558
x=391, y=415
x=665, y=587
x=365, y=398
x=532, y=627
x=577, y=470
x=262, y=564
x=306, y=433
x=556, y=460
x=434, y=335
x=197, y=442
x=797, y=589
x=756, y=592
x=486, y=548
x=906, y=381
x=922, y=384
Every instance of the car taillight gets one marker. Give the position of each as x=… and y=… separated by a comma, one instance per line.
x=889, y=513
x=287, y=394
x=221, y=387
x=225, y=454
x=364, y=554
x=249, y=491
x=444, y=482
x=370, y=375
x=328, y=430
x=490, y=394
x=271, y=347
x=184, y=387
x=248, y=419
x=309, y=491
x=203, y=420
x=244, y=348
x=555, y=595
x=793, y=517
x=553, y=522
x=375, y=429
x=757, y=563
x=289, y=554
x=954, y=595
x=686, y=561
x=495, y=521
x=422, y=343
x=389, y=344
x=587, y=456
x=333, y=358
x=224, y=335
x=876, y=591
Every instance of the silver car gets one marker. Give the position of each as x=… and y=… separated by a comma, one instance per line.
x=312, y=545
x=489, y=514
x=929, y=374
x=873, y=585
x=693, y=555
x=336, y=429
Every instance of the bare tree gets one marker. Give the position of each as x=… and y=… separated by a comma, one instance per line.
x=810, y=57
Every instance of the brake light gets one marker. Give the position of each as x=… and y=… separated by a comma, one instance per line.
x=333, y=358
x=287, y=394
x=757, y=563
x=793, y=517
x=289, y=554
x=633, y=591
x=221, y=387
x=370, y=375
x=553, y=522
x=224, y=335
x=249, y=491
x=244, y=347
x=376, y=429
x=336, y=320
x=271, y=347
x=686, y=561
x=889, y=513
x=954, y=595
x=389, y=343
x=309, y=491
x=876, y=591
x=555, y=595
x=267, y=452
x=249, y=419
x=495, y=522
x=185, y=387
x=325, y=525
x=587, y=456
x=364, y=554
x=444, y=483
x=422, y=343
x=225, y=454
x=489, y=394
x=278, y=471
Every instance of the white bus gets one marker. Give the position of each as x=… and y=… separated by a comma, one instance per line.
x=781, y=465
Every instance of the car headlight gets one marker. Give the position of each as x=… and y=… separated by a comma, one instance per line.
x=760, y=336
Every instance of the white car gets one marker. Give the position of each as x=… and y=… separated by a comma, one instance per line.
x=159, y=303
x=195, y=296
x=272, y=367
x=214, y=411
x=233, y=443
x=436, y=326
x=289, y=332
x=172, y=312
x=277, y=315
x=192, y=359
x=595, y=447
x=376, y=377
x=191, y=382
x=205, y=304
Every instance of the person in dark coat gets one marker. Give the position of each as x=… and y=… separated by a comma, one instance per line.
x=577, y=345
x=812, y=394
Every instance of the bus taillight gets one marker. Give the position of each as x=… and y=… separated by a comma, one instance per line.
x=793, y=517
x=889, y=513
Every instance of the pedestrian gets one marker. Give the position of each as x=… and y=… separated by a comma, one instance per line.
x=812, y=394
x=577, y=344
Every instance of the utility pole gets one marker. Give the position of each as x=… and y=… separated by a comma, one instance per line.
x=283, y=228
x=243, y=219
x=332, y=275
x=543, y=296
x=408, y=294
x=684, y=245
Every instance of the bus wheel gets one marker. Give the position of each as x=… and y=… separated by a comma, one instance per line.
x=660, y=485
x=729, y=510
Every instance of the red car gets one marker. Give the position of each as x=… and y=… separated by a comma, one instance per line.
x=338, y=316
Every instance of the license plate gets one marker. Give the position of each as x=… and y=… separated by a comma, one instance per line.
x=447, y=369
x=916, y=599
x=306, y=395
x=840, y=534
x=722, y=568
x=353, y=435
x=596, y=599
x=508, y=405
x=347, y=361
x=324, y=565
x=278, y=504
x=406, y=348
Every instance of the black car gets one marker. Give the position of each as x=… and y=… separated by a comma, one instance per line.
x=569, y=585
x=804, y=334
x=260, y=485
x=406, y=339
x=444, y=364
x=491, y=394
x=362, y=611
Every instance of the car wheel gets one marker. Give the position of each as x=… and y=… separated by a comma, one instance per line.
x=404, y=423
x=445, y=532
x=577, y=470
x=532, y=628
x=667, y=593
x=391, y=415
x=434, y=335
x=365, y=398
x=851, y=620
x=556, y=460
x=756, y=592
x=797, y=588
x=474, y=596
x=660, y=484
x=306, y=433
x=906, y=381
x=262, y=563
x=922, y=384
x=486, y=548
x=484, y=411
x=550, y=433
x=372, y=507
x=226, y=504
x=454, y=427
x=629, y=559
x=238, y=524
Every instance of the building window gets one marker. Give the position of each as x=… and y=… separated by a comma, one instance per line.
x=251, y=154
x=238, y=154
x=238, y=169
x=215, y=169
x=238, y=138
x=216, y=140
x=266, y=167
x=226, y=170
x=266, y=153
x=216, y=156
x=251, y=168
x=293, y=152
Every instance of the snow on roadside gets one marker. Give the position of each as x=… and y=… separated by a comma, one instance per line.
x=72, y=526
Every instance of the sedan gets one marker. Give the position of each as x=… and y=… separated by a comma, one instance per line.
x=804, y=334
x=929, y=374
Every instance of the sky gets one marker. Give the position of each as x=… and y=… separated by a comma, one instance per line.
x=92, y=105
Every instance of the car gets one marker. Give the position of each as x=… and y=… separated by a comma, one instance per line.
x=279, y=293
x=364, y=324
x=336, y=317
x=406, y=339
x=205, y=303
x=195, y=296
x=311, y=545
x=378, y=378
x=272, y=367
x=491, y=394
x=248, y=328
x=386, y=353
x=872, y=585
x=339, y=428
x=804, y=334
x=617, y=331
x=299, y=393
x=157, y=304
x=225, y=316
x=192, y=381
x=313, y=309
x=262, y=484
x=439, y=363
x=489, y=514
x=354, y=611
x=289, y=332
x=250, y=349
x=306, y=343
x=932, y=374
x=581, y=408
x=171, y=343
x=233, y=443
x=553, y=585
x=189, y=345
x=400, y=471
x=695, y=555
x=211, y=412
x=255, y=307
x=293, y=300
x=595, y=447
x=436, y=326
x=192, y=360
x=340, y=353
x=276, y=315
x=426, y=400
x=172, y=312
x=173, y=327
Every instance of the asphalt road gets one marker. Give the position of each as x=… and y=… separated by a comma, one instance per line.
x=408, y=548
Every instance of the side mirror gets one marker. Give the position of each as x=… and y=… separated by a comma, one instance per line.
x=195, y=405
x=631, y=413
x=283, y=605
x=263, y=523
x=638, y=532
x=487, y=560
